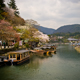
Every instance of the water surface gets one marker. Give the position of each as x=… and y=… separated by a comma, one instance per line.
x=64, y=65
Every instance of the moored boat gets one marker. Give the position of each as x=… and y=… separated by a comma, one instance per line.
x=43, y=51
x=49, y=48
x=2, y=61
x=18, y=57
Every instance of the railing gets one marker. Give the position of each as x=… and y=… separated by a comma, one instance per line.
x=2, y=47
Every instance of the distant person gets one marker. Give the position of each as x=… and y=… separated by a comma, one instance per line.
x=4, y=44
x=0, y=44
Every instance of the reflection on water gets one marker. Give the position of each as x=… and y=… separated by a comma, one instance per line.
x=64, y=65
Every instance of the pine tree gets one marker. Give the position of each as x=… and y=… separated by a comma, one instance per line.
x=1, y=6
x=2, y=3
x=12, y=4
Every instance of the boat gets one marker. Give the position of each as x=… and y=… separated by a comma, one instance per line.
x=18, y=57
x=37, y=49
x=2, y=61
x=49, y=48
x=42, y=51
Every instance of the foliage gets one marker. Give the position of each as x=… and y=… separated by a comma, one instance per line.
x=68, y=29
x=2, y=3
x=19, y=30
x=17, y=21
x=1, y=17
x=6, y=31
x=25, y=34
x=9, y=13
x=5, y=15
x=17, y=37
x=65, y=40
x=31, y=22
x=65, y=36
x=12, y=5
x=16, y=45
x=34, y=39
x=1, y=8
x=28, y=33
x=27, y=45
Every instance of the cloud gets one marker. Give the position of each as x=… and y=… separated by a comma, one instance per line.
x=50, y=13
x=74, y=1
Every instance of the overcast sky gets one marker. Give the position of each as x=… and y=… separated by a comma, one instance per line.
x=50, y=13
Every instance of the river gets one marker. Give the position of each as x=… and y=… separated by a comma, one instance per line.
x=64, y=65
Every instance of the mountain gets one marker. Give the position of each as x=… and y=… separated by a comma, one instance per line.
x=44, y=29
x=68, y=28
x=63, y=29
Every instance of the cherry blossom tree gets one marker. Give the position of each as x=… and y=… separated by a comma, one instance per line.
x=7, y=32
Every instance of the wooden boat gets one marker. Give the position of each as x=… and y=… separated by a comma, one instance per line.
x=18, y=57
x=43, y=51
x=2, y=61
x=38, y=49
x=50, y=49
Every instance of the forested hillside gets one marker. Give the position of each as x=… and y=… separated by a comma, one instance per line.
x=10, y=13
x=68, y=28
x=45, y=30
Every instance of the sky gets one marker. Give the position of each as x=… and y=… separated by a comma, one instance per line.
x=50, y=13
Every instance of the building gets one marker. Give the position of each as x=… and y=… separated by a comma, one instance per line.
x=72, y=40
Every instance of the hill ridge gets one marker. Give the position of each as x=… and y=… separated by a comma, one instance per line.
x=44, y=29
x=68, y=28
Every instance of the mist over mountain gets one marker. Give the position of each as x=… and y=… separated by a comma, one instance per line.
x=68, y=28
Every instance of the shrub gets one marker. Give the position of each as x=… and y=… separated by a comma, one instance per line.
x=27, y=45
x=1, y=16
x=16, y=45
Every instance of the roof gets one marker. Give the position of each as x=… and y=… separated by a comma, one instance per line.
x=37, y=48
x=45, y=47
x=18, y=52
x=2, y=56
x=72, y=39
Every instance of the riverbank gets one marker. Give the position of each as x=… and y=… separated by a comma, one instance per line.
x=3, y=51
x=77, y=48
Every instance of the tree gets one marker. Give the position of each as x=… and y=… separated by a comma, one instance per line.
x=31, y=23
x=29, y=33
x=2, y=3
x=7, y=32
x=12, y=4
x=1, y=8
x=25, y=35
x=17, y=21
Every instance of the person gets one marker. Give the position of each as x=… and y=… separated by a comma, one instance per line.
x=0, y=44
x=4, y=44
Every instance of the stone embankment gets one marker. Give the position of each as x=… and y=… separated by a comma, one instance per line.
x=77, y=48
